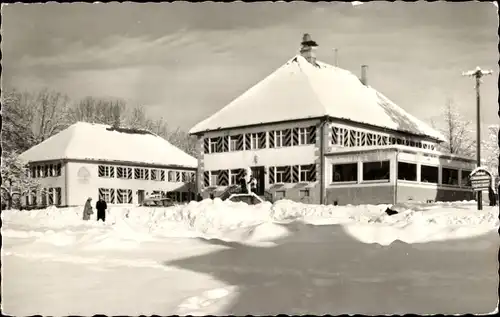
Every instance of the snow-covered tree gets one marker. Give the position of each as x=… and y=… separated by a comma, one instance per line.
x=16, y=181
x=458, y=132
x=490, y=150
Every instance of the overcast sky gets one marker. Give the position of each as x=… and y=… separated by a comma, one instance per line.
x=184, y=61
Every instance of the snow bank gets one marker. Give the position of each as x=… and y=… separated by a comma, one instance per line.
x=128, y=226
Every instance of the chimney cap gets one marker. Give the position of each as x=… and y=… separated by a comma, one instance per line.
x=307, y=40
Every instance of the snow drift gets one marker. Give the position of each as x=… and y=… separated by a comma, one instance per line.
x=128, y=226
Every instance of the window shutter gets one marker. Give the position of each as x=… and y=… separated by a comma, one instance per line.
x=206, y=179
x=206, y=146
x=295, y=174
x=295, y=136
x=271, y=139
x=247, y=141
x=312, y=134
x=312, y=173
x=271, y=174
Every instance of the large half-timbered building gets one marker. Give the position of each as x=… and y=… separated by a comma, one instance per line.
x=316, y=133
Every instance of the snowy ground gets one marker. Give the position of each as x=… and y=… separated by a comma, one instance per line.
x=217, y=257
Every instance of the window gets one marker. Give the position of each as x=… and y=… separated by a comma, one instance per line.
x=43, y=194
x=58, y=196
x=233, y=143
x=106, y=171
x=46, y=170
x=140, y=173
x=155, y=175
x=124, y=196
x=407, y=171
x=279, y=138
x=304, y=173
x=33, y=197
x=213, y=144
x=50, y=196
x=58, y=169
x=124, y=172
x=345, y=172
x=185, y=177
x=107, y=194
x=234, y=177
x=450, y=176
x=429, y=174
x=177, y=176
x=39, y=171
x=254, y=141
x=376, y=171
x=465, y=178
x=50, y=170
x=303, y=136
x=171, y=176
x=213, y=178
x=280, y=194
x=280, y=174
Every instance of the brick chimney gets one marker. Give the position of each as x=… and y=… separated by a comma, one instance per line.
x=364, y=79
x=308, y=46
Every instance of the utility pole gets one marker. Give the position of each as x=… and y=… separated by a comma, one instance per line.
x=477, y=74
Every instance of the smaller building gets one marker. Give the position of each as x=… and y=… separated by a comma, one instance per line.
x=122, y=166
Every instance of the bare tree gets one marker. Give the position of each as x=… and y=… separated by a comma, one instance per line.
x=99, y=110
x=458, y=132
x=16, y=181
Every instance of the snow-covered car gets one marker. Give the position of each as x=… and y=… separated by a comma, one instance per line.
x=157, y=201
x=250, y=199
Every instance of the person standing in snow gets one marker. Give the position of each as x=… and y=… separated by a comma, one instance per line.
x=101, y=207
x=87, y=210
x=492, y=196
x=243, y=185
x=253, y=184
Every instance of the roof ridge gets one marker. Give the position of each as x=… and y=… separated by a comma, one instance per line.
x=315, y=93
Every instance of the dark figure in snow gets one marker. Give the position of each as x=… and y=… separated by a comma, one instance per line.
x=212, y=196
x=198, y=197
x=87, y=210
x=101, y=207
x=253, y=184
x=391, y=212
x=492, y=197
x=243, y=185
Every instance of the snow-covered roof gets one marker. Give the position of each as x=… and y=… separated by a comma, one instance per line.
x=89, y=141
x=300, y=90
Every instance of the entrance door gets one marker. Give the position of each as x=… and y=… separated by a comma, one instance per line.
x=140, y=196
x=258, y=173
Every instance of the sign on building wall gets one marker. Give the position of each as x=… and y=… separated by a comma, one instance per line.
x=83, y=175
x=480, y=179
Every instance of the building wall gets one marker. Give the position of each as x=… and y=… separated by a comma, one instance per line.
x=360, y=194
x=423, y=192
x=84, y=182
x=281, y=156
